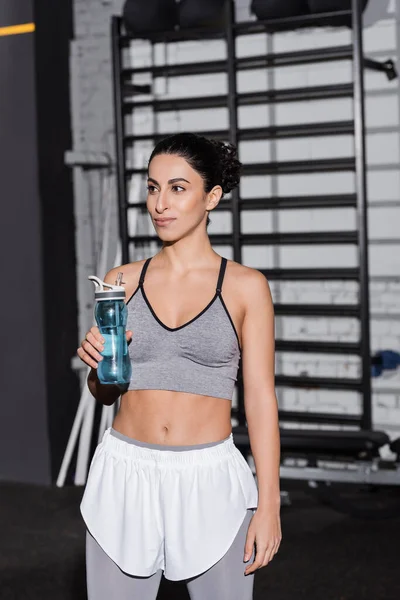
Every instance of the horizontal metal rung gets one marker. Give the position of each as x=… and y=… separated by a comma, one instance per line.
x=261, y=133
x=317, y=347
x=261, y=239
x=290, y=131
x=178, y=104
x=323, y=237
x=129, y=172
x=295, y=202
x=328, y=383
x=224, y=204
x=136, y=206
x=178, y=70
x=217, y=134
x=319, y=418
x=295, y=57
x=317, y=310
x=300, y=166
x=223, y=239
x=280, y=168
x=337, y=274
x=180, y=35
x=247, y=63
x=134, y=89
x=290, y=23
x=343, y=90
x=144, y=239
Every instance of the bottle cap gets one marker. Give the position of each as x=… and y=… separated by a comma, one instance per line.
x=114, y=292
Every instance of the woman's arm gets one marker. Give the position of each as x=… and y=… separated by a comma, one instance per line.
x=258, y=362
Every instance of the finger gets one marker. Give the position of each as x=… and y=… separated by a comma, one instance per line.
x=269, y=555
x=271, y=552
x=85, y=357
x=129, y=335
x=260, y=553
x=95, y=330
x=252, y=568
x=96, y=341
x=88, y=347
x=97, y=335
x=249, y=546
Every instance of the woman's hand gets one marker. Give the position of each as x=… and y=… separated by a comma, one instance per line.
x=265, y=532
x=92, y=345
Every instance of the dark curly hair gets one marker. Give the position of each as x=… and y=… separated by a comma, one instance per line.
x=215, y=161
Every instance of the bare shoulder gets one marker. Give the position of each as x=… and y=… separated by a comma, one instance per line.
x=250, y=284
x=130, y=275
x=247, y=276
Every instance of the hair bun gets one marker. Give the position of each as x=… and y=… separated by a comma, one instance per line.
x=230, y=165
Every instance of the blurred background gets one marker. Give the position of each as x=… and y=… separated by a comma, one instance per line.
x=308, y=90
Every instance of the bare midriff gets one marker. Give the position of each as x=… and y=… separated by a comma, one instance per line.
x=173, y=418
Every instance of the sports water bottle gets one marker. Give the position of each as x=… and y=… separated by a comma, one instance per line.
x=111, y=315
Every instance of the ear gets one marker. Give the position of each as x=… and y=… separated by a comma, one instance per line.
x=213, y=197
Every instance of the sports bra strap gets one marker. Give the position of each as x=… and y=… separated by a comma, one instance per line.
x=221, y=275
x=143, y=273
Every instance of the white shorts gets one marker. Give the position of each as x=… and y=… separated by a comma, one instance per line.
x=178, y=511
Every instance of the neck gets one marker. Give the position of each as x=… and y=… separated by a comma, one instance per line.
x=188, y=253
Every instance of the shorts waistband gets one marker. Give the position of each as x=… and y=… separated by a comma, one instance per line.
x=163, y=447
x=117, y=443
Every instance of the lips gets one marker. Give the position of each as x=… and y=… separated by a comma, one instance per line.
x=163, y=222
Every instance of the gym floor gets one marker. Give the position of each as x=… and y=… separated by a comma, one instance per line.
x=325, y=555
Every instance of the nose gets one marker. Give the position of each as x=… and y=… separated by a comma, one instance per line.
x=162, y=202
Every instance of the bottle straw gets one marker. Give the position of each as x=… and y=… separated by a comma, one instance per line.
x=120, y=353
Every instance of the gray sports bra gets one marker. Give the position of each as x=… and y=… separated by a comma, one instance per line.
x=200, y=357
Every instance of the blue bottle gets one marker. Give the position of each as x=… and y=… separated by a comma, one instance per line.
x=111, y=315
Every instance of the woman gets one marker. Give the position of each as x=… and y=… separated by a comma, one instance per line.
x=168, y=491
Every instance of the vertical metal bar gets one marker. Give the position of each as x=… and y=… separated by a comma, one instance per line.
x=233, y=138
x=233, y=125
x=362, y=217
x=119, y=138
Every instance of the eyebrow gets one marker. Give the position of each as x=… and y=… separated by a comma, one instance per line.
x=169, y=181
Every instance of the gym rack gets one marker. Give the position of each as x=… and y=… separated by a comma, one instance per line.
x=124, y=105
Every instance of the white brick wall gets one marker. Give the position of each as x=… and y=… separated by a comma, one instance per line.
x=94, y=129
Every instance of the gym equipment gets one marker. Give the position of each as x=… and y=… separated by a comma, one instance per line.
x=357, y=482
x=232, y=65
x=384, y=360
x=395, y=448
x=342, y=468
x=312, y=455
x=276, y=9
x=149, y=16
x=232, y=99
x=199, y=13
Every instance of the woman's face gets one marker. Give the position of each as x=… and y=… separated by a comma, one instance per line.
x=176, y=199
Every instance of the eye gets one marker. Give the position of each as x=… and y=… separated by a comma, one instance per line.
x=178, y=188
x=151, y=189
